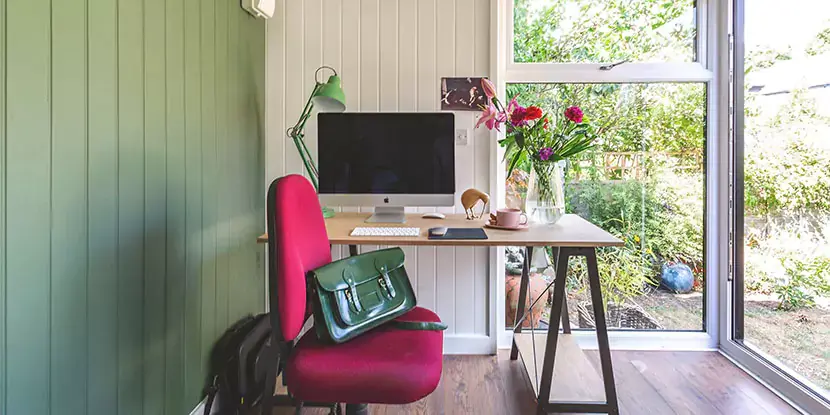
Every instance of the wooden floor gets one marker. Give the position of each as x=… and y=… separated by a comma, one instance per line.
x=647, y=383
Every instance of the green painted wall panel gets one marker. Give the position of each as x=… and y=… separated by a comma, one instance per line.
x=69, y=208
x=155, y=206
x=175, y=293
x=130, y=166
x=131, y=225
x=102, y=280
x=28, y=213
x=236, y=286
x=210, y=193
x=193, y=193
x=222, y=208
x=2, y=206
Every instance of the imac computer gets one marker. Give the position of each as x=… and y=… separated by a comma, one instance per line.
x=386, y=160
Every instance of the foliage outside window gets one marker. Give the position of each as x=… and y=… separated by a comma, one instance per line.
x=787, y=173
x=786, y=252
x=645, y=179
x=604, y=30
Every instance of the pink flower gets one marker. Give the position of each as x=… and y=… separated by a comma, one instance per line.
x=574, y=114
x=517, y=117
x=491, y=117
x=488, y=88
x=545, y=153
x=512, y=105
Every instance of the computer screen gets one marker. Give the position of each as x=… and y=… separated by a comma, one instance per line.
x=386, y=153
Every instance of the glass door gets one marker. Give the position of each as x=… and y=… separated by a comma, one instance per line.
x=781, y=197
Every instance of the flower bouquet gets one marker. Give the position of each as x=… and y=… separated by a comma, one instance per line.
x=544, y=140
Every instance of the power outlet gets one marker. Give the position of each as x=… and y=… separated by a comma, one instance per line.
x=462, y=137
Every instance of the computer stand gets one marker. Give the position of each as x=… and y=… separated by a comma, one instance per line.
x=387, y=214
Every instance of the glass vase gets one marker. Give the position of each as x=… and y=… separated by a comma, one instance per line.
x=546, y=192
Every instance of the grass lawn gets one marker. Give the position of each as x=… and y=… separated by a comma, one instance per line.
x=800, y=338
x=673, y=312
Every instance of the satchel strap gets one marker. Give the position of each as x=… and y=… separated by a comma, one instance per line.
x=384, y=280
x=419, y=325
x=351, y=292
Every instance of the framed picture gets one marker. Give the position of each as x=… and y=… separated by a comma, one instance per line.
x=462, y=94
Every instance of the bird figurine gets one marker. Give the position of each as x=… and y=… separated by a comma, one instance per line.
x=470, y=198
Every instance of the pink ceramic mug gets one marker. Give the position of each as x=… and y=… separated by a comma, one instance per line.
x=510, y=218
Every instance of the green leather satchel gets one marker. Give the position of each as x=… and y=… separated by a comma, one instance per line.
x=356, y=294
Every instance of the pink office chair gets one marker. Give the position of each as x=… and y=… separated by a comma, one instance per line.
x=385, y=365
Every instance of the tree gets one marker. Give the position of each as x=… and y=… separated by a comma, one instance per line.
x=604, y=30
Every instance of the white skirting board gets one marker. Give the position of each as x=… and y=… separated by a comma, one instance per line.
x=473, y=344
x=634, y=340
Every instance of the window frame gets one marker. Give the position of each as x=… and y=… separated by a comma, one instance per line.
x=569, y=72
x=703, y=70
x=785, y=382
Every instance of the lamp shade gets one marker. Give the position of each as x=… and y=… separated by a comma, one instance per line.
x=329, y=96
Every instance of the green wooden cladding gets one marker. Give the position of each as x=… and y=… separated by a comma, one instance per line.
x=131, y=173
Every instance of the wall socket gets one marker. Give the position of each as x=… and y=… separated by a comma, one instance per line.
x=462, y=136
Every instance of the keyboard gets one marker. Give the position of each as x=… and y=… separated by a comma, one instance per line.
x=385, y=231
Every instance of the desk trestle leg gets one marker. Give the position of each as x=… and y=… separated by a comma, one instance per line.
x=520, y=307
x=522, y=301
x=544, y=406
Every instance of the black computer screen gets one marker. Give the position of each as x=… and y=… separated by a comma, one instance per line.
x=386, y=153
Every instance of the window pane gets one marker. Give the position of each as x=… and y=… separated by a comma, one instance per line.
x=600, y=31
x=643, y=181
x=787, y=187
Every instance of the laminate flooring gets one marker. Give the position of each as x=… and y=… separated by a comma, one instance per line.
x=660, y=383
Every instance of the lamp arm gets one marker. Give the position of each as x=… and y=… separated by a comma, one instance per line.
x=296, y=134
x=309, y=106
x=305, y=156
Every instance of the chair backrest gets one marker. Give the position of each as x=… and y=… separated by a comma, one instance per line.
x=297, y=244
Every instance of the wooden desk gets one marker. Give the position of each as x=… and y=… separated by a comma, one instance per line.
x=571, y=236
x=570, y=231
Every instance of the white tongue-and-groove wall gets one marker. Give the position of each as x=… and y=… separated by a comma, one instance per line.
x=391, y=55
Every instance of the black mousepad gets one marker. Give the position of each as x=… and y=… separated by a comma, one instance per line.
x=461, y=233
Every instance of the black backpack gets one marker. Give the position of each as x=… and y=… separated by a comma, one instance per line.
x=238, y=367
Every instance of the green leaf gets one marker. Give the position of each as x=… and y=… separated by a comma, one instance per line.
x=520, y=140
x=514, y=162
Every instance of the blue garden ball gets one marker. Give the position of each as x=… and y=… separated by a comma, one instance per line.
x=678, y=278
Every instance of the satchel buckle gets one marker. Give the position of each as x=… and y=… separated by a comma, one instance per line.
x=351, y=295
x=386, y=282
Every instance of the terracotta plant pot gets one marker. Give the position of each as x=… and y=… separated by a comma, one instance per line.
x=535, y=289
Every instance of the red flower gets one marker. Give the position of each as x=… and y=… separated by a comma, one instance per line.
x=545, y=126
x=574, y=114
x=533, y=113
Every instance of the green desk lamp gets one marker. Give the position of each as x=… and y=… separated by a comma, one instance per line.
x=326, y=97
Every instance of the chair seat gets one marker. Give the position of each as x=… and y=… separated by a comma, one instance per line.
x=385, y=365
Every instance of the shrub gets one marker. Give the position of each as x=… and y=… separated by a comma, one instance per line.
x=660, y=220
x=624, y=272
x=804, y=188
x=786, y=164
x=804, y=281
x=665, y=217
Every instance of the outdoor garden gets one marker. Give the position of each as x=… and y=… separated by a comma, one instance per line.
x=644, y=179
